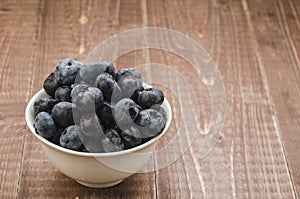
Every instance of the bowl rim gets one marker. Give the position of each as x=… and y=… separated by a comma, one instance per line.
x=29, y=113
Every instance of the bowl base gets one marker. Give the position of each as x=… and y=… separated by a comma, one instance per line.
x=99, y=185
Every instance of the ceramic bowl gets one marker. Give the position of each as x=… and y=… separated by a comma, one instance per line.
x=97, y=170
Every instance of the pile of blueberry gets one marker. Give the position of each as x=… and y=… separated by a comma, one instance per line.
x=93, y=108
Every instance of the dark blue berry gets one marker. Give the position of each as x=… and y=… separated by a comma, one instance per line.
x=91, y=125
x=126, y=72
x=56, y=136
x=44, y=105
x=44, y=125
x=150, y=97
x=66, y=71
x=62, y=113
x=135, y=94
x=150, y=122
x=76, y=115
x=70, y=138
x=125, y=112
x=146, y=139
x=51, y=84
x=109, y=87
x=105, y=114
x=90, y=71
x=92, y=144
x=88, y=99
x=110, y=68
x=78, y=88
x=92, y=132
x=83, y=149
x=131, y=137
x=112, y=142
x=160, y=109
x=129, y=85
x=63, y=93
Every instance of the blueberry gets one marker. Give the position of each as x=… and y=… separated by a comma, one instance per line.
x=90, y=71
x=92, y=144
x=81, y=87
x=146, y=139
x=150, y=97
x=125, y=72
x=44, y=125
x=63, y=93
x=83, y=149
x=131, y=137
x=150, y=122
x=91, y=125
x=44, y=105
x=70, y=138
x=56, y=136
x=76, y=114
x=112, y=134
x=109, y=87
x=84, y=83
x=79, y=80
x=160, y=109
x=51, y=84
x=110, y=68
x=129, y=85
x=62, y=113
x=135, y=94
x=88, y=99
x=66, y=71
x=112, y=142
x=92, y=132
x=125, y=112
x=105, y=114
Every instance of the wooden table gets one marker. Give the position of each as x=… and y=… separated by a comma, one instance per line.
x=256, y=45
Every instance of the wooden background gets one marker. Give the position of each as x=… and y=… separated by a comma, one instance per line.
x=256, y=44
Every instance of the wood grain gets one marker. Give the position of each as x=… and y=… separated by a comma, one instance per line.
x=240, y=162
x=17, y=52
x=279, y=55
x=254, y=43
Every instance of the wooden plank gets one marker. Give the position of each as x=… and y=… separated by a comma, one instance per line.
x=249, y=161
x=276, y=27
x=11, y=155
x=17, y=50
x=18, y=35
x=72, y=29
x=254, y=48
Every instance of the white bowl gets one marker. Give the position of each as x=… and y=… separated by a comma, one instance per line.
x=97, y=170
